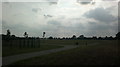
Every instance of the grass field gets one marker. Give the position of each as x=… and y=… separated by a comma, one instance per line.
x=45, y=45
x=7, y=51
x=68, y=42
x=103, y=53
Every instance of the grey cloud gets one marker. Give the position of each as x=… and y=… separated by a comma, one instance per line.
x=47, y=16
x=93, y=3
x=36, y=10
x=5, y=2
x=101, y=15
x=84, y=2
x=52, y=2
x=95, y=26
x=102, y=29
x=109, y=0
x=53, y=22
x=118, y=23
x=94, y=29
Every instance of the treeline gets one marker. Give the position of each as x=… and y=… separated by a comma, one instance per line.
x=81, y=37
x=8, y=36
x=86, y=38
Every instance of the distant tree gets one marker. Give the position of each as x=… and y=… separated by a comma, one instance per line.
x=8, y=32
x=110, y=38
x=37, y=37
x=43, y=34
x=25, y=35
x=63, y=38
x=55, y=38
x=100, y=38
x=106, y=37
x=66, y=38
x=118, y=35
x=73, y=37
x=94, y=37
x=58, y=37
x=81, y=37
x=13, y=36
x=50, y=37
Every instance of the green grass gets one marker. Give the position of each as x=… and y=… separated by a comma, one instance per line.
x=103, y=53
x=70, y=42
x=8, y=51
x=45, y=45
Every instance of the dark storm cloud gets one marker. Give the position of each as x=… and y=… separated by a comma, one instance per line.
x=101, y=15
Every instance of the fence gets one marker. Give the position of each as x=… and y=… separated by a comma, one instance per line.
x=22, y=43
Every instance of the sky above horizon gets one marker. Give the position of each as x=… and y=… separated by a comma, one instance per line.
x=60, y=18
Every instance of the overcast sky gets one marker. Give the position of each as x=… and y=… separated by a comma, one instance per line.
x=61, y=18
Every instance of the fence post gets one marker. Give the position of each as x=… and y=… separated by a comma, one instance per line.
x=19, y=43
x=38, y=42
x=11, y=43
x=28, y=42
x=32, y=43
x=23, y=42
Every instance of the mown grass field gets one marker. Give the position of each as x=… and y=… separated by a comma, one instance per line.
x=8, y=51
x=67, y=42
x=44, y=45
x=104, y=52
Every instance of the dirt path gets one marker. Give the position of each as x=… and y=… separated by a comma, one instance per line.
x=11, y=59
